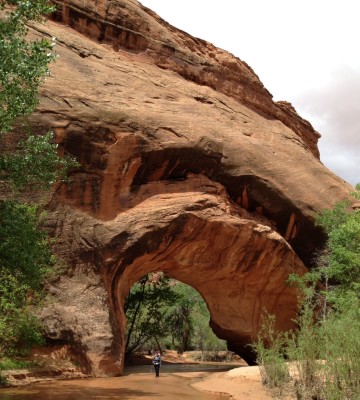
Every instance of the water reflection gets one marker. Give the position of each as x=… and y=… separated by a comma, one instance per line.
x=214, y=367
x=137, y=383
x=74, y=392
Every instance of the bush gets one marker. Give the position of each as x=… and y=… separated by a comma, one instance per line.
x=341, y=333
x=214, y=356
x=270, y=348
x=8, y=363
x=321, y=357
x=3, y=380
x=304, y=350
x=324, y=353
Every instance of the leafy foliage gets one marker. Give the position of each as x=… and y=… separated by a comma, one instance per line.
x=189, y=323
x=25, y=259
x=162, y=312
x=8, y=363
x=180, y=316
x=24, y=62
x=25, y=256
x=343, y=258
x=36, y=164
x=270, y=350
x=323, y=354
x=24, y=65
x=145, y=309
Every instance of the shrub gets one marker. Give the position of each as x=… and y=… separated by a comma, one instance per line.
x=270, y=348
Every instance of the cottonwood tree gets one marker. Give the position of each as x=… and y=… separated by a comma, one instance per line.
x=24, y=62
x=24, y=66
x=163, y=312
x=146, y=308
x=25, y=255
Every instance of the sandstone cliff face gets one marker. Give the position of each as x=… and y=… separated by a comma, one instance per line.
x=187, y=167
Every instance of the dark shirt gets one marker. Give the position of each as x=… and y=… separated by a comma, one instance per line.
x=157, y=360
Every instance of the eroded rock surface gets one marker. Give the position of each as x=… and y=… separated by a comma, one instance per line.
x=187, y=167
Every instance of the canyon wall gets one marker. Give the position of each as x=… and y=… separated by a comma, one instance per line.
x=187, y=166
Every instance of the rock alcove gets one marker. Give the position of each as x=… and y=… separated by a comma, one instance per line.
x=187, y=166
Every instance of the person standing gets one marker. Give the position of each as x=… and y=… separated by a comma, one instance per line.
x=157, y=363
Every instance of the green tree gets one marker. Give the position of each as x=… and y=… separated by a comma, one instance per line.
x=342, y=255
x=24, y=66
x=35, y=165
x=146, y=308
x=25, y=256
x=324, y=352
x=25, y=260
x=203, y=338
x=189, y=323
x=180, y=316
x=163, y=312
x=24, y=62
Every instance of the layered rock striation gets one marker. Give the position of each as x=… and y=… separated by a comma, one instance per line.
x=187, y=166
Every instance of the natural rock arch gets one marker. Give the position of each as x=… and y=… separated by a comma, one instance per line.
x=187, y=166
x=236, y=261
x=238, y=267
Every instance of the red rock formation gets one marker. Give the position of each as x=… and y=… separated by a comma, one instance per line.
x=187, y=166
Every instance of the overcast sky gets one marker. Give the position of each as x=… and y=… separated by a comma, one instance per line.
x=306, y=52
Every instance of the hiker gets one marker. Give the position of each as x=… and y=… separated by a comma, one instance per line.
x=157, y=362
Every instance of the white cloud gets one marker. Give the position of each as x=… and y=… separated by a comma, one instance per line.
x=334, y=110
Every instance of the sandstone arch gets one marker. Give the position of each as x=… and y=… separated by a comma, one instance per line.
x=236, y=260
x=187, y=166
x=238, y=267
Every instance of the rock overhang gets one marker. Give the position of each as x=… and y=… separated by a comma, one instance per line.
x=172, y=134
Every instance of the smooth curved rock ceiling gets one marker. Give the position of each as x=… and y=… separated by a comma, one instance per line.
x=187, y=167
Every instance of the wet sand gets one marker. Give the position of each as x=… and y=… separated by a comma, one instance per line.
x=132, y=386
x=176, y=382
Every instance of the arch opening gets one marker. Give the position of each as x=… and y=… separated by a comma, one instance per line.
x=165, y=314
x=238, y=265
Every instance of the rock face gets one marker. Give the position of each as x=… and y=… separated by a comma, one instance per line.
x=187, y=167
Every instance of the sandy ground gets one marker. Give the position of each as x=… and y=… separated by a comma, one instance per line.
x=240, y=383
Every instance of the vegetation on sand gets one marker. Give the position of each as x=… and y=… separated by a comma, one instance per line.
x=321, y=360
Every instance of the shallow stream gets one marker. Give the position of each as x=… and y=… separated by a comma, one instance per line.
x=137, y=383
